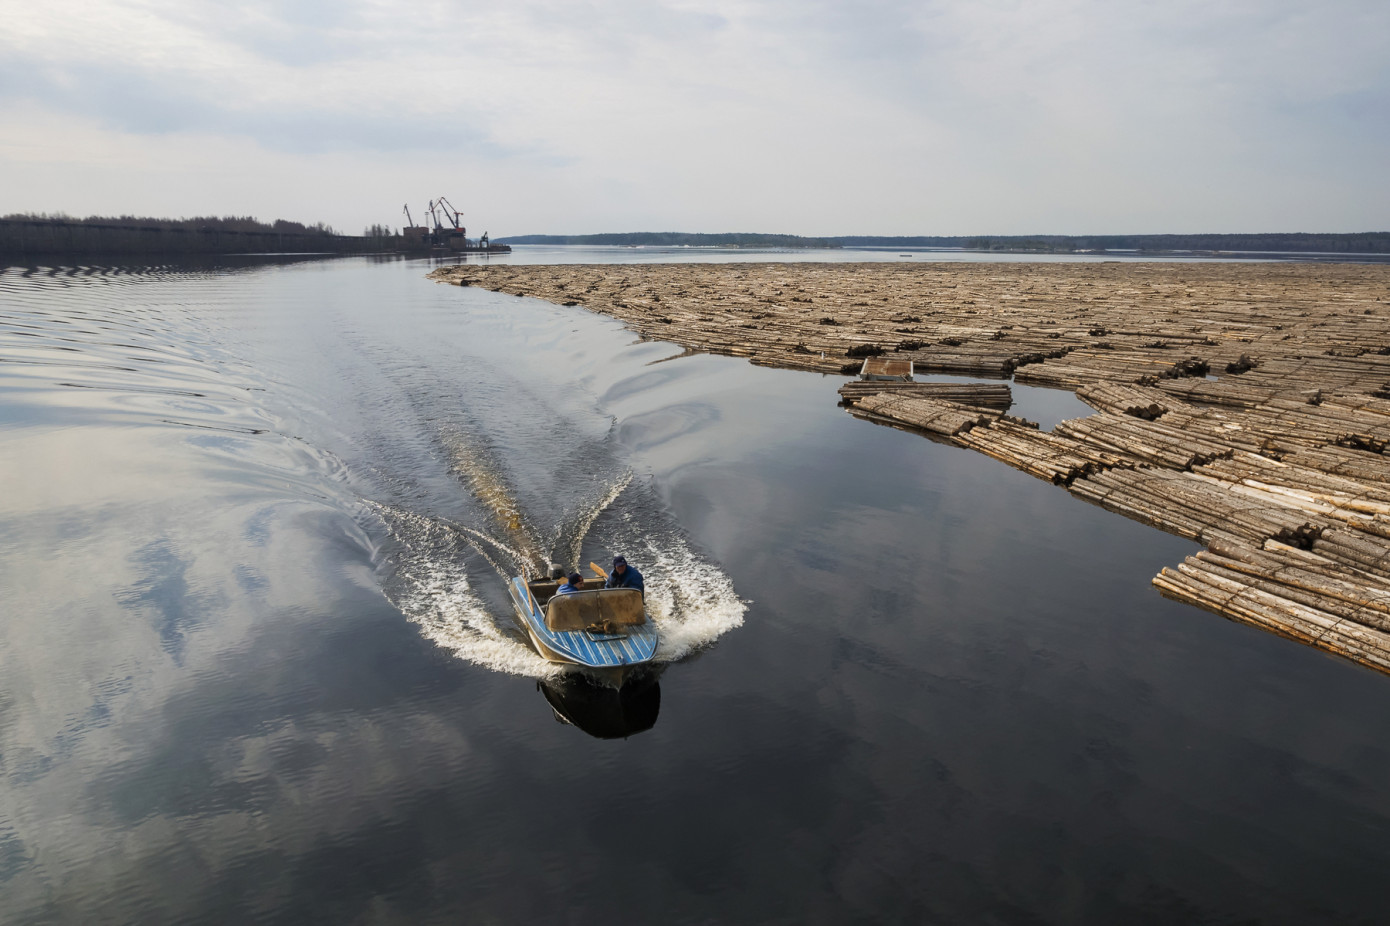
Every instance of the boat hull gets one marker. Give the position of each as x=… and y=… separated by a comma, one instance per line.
x=635, y=647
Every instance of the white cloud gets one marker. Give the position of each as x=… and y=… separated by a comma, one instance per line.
x=892, y=117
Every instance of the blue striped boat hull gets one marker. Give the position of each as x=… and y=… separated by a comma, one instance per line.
x=578, y=647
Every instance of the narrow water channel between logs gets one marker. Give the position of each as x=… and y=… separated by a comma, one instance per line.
x=257, y=662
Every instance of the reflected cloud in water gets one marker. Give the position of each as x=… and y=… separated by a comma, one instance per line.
x=265, y=676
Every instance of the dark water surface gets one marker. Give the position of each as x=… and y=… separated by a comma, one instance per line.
x=258, y=666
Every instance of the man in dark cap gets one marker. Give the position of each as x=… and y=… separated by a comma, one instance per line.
x=625, y=576
x=574, y=583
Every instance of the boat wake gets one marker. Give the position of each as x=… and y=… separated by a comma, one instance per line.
x=428, y=579
x=689, y=597
x=447, y=577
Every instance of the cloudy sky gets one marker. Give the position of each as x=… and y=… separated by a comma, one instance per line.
x=801, y=116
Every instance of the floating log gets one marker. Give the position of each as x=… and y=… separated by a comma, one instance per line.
x=944, y=419
x=979, y=395
x=1336, y=590
x=1182, y=503
x=1123, y=399
x=1040, y=454
x=1369, y=554
x=1152, y=442
x=1356, y=465
x=1199, y=584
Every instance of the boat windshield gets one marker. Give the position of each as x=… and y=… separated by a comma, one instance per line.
x=601, y=608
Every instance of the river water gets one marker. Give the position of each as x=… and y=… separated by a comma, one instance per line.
x=257, y=663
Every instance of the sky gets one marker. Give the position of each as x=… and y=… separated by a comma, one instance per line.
x=938, y=117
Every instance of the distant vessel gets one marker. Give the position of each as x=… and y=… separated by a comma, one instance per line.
x=446, y=232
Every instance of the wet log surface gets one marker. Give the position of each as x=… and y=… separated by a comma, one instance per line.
x=980, y=395
x=1245, y=406
x=945, y=419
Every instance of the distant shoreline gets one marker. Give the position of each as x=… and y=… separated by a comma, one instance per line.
x=1329, y=244
x=40, y=238
x=981, y=254
x=49, y=236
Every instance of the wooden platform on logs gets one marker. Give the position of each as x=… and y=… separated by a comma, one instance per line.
x=1244, y=406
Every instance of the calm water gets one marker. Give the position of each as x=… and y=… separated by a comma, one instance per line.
x=257, y=664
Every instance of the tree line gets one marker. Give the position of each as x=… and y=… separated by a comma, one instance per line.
x=1290, y=242
x=230, y=223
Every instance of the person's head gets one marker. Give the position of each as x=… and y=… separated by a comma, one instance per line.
x=619, y=565
x=576, y=580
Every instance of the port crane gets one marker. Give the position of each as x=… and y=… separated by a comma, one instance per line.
x=443, y=229
x=442, y=207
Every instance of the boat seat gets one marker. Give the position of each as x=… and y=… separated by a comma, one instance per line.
x=600, y=608
x=543, y=591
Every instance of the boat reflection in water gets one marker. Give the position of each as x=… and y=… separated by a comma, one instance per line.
x=602, y=711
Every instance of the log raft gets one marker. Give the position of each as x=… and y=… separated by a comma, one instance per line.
x=1243, y=406
x=979, y=395
x=943, y=419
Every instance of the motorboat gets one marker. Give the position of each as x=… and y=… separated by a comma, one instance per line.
x=601, y=628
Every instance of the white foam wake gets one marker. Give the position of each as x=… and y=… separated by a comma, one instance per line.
x=691, y=601
x=430, y=586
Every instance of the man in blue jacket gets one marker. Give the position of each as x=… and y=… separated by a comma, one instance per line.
x=625, y=576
